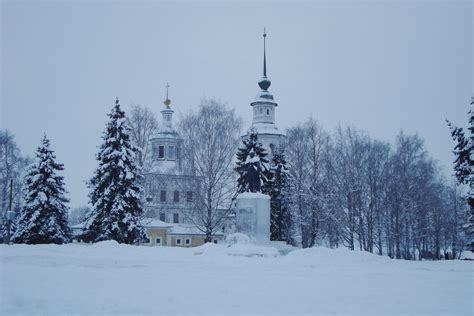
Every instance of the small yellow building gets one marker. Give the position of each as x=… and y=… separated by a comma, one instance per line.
x=159, y=233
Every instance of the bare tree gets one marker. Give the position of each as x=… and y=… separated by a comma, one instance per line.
x=210, y=140
x=347, y=164
x=457, y=213
x=350, y=189
x=143, y=125
x=377, y=164
x=12, y=169
x=9, y=160
x=307, y=152
x=299, y=162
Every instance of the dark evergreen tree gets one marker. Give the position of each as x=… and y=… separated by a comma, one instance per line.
x=464, y=167
x=462, y=161
x=115, y=187
x=252, y=165
x=43, y=218
x=280, y=218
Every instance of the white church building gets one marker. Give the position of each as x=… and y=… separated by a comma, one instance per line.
x=170, y=191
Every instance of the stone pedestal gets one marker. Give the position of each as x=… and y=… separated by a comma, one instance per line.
x=253, y=215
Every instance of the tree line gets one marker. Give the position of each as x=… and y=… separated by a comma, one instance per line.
x=339, y=189
x=347, y=189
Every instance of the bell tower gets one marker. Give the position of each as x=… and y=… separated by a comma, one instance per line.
x=166, y=144
x=264, y=108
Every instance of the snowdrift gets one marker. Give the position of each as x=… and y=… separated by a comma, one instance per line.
x=242, y=278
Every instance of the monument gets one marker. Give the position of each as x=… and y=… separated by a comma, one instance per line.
x=253, y=215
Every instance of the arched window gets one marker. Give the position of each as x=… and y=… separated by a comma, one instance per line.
x=261, y=111
x=268, y=111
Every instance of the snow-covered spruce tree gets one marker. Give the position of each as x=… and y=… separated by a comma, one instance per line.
x=280, y=218
x=115, y=187
x=252, y=165
x=464, y=167
x=43, y=218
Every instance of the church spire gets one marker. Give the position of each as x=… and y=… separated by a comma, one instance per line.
x=167, y=102
x=264, y=84
x=264, y=55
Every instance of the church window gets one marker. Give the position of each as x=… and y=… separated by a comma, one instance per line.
x=163, y=196
x=176, y=196
x=268, y=111
x=171, y=152
x=178, y=241
x=163, y=217
x=261, y=111
x=158, y=240
x=189, y=196
x=175, y=218
x=272, y=148
x=161, y=152
x=187, y=241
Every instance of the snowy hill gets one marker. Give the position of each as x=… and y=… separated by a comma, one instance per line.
x=108, y=278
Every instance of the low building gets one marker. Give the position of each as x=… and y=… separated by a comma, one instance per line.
x=159, y=233
x=76, y=231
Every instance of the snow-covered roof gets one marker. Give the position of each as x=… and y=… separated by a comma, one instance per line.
x=153, y=222
x=267, y=128
x=167, y=110
x=78, y=226
x=183, y=229
x=253, y=195
x=187, y=229
x=166, y=133
x=174, y=229
x=264, y=97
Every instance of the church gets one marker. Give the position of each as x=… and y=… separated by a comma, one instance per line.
x=170, y=190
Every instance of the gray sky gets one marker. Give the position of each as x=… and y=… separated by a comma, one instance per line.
x=379, y=66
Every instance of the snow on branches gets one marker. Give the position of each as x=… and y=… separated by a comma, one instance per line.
x=115, y=187
x=252, y=165
x=43, y=218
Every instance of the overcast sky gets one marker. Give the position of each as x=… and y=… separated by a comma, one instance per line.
x=379, y=66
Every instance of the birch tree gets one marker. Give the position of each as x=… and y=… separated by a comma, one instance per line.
x=143, y=125
x=211, y=136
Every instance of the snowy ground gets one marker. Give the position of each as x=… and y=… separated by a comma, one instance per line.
x=108, y=278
